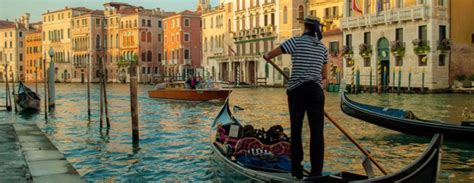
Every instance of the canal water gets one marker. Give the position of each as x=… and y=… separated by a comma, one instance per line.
x=174, y=144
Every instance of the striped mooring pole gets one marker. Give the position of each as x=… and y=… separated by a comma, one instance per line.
x=370, y=80
x=399, y=80
x=409, y=80
x=352, y=80
x=379, y=73
x=423, y=81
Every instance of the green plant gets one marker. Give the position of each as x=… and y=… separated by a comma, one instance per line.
x=365, y=50
x=461, y=77
x=421, y=46
x=397, y=48
x=471, y=78
x=125, y=62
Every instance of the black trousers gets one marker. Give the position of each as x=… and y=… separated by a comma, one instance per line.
x=309, y=98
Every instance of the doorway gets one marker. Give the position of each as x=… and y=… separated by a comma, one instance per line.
x=383, y=55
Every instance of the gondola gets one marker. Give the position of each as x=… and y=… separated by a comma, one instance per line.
x=423, y=169
x=404, y=121
x=26, y=99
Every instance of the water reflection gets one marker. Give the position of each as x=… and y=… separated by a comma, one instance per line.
x=174, y=135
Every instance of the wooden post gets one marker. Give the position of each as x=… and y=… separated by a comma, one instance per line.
x=370, y=80
x=423, y=81
x=104, y=89
x=8, y=97
x=45, y=91
x=409, y=81
x=393, y=81
x=51, y=88
x=357, y=88
x=133, y=102
x=352, y=80
x=14, y=97
x=101, y=99
x=88, y=87
x=379, y=79
x=36, y=77
x=399, y=80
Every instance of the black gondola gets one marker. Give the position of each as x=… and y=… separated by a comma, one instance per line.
x=26, y=99
x=404, y=121
x=423, y=169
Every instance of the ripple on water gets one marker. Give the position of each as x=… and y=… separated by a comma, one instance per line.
x=174, y=135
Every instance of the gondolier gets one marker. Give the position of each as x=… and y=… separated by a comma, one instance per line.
x=305, y=93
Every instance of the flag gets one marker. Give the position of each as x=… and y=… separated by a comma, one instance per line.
x=355, y=7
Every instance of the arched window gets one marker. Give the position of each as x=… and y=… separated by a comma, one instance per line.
x=212, y=43
x=116, y=41
x=285, y=15
x=143, y=36
x=301, y=11
x=148, y=37
x=97, y=42
x=111, y=41
x=105, y=41
x=149, y=56
x=205, y=44
x=143, y=56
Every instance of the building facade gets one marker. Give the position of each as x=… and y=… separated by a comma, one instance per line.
x=12, y=39
x=182, y=45
x=330, y=12
x=33, y=62
x=462, y=36
x=388, y=37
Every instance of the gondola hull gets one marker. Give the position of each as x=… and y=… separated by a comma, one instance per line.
x=423, y=169
x=26, y=99
x=396, y=119
x=190, y=94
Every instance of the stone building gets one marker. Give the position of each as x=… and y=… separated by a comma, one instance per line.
x=33, y=62
x=182, y=44
x=12, y=46
x=384, y=37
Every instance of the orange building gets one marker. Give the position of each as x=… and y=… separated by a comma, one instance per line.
x=182, y=44
x=33, y=62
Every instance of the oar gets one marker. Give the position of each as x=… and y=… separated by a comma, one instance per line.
x=349, y=136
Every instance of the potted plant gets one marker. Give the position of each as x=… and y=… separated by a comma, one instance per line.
x=365, y=50
x=397, y=48
x=347, y=52
x=444, y=45
x=421, y=47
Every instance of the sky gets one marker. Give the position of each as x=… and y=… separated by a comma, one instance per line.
x=12, y=9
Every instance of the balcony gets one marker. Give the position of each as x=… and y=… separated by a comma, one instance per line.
x=419, y=12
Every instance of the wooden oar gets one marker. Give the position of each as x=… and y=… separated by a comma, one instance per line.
x=349, y=136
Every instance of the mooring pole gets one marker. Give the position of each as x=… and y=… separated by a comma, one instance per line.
x=370, y=80
x=8, y=97
x=101, y=98
x=357, y=88
x=51, y=92
x=423, y=81
x=104, y=86
x=45, y=91
x=394, y=70
x=399, y=80
x=36, y=77
x=133, y=102
x=14, y=97
x=88, y=67
x=409, y=81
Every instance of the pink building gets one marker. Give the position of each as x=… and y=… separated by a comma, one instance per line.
x=182, y=44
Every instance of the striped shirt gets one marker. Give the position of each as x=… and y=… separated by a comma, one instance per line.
x=308, y=56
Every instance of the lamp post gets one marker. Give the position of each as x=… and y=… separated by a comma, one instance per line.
x=88, y=67
x=51, y=79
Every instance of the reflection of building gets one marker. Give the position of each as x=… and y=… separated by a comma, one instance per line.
x=33, y=62
x=255, y=27
x=182, y=44
x=57, y=35
x=12, y=37
x=330, y=14
x=387, y=36
x=462, y=35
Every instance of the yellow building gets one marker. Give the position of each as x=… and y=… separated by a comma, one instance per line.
x=33, y=63
x=57, y=35
x=388, y=36
x=462, y=35
x=330, y=12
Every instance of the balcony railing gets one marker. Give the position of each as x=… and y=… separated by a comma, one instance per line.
x=389, y=16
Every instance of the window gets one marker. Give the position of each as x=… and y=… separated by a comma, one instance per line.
x=21, y=57
x=97, y=42
x=143, y=70
x=159, y=57
x=143, y=56
x=441, y=2
x=349, y=40
x=367, y=37
x=423, y=33
x=186, y=22
x=442, y=32
x=148, y=23
x=272, y=18
x=285, y=15
x=159, y=23
x=265, y=20
x=351, y=11
x=366, y=62
x=148, y=37
x=186, y=55
x=97, y=22
x=149, y=56
x=422, y=60
x=143, y=22
x=159, y=37
x=334, y=48
x=399, y=61
x=21, y=44
x=442, y=60
x=472, y=38
x=399, y=34
x=312, y=12
x=20, y=34
x=301, y=11
x=186, y=37
x=143, y=37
